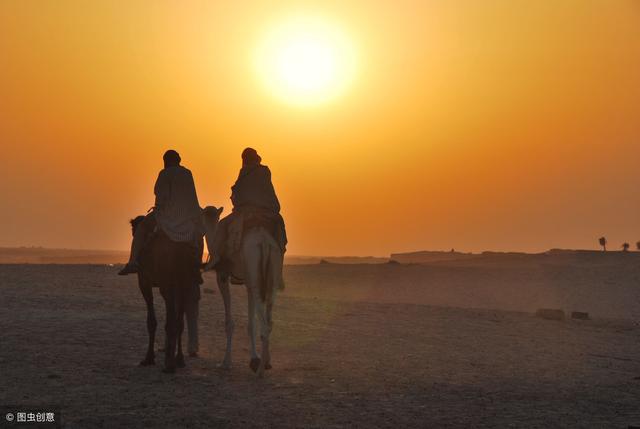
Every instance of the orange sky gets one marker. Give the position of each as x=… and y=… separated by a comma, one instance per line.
x=504, y=125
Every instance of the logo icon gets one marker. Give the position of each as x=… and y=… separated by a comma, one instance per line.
x=9, y=417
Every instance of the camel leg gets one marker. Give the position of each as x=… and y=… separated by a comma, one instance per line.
x=181, y=299
x=252, y=299
x=263, y=271
x=253, y=260
x=265, y=324
x=223, y=285
x=191, y=312
x=152, y=323
x=251, y=327
x=170, y=327
x=266, y=351
x=274, y=273
x=265, y=331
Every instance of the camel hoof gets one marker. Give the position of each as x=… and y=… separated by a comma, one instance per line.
x=224, y=365
x=169, y=370
x=147, y=362
x=267, y=366
x=254, y=364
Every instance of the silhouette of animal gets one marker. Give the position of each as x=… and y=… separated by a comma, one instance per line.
x=176, y=295
x=262, y=265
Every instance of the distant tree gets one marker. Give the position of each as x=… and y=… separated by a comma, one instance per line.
x=603, y=243
x=625, y=247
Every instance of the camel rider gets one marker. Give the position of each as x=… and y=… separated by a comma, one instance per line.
x=253, y=188
x=254, y=204
x=176, y=212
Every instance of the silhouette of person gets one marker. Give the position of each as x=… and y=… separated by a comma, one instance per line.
x=253, y=188
x=176, y=212
x=255, y=203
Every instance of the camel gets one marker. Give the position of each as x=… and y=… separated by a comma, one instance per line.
x=175, y=297
x=262, y=265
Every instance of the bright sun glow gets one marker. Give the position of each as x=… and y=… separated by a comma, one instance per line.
x=305, y=61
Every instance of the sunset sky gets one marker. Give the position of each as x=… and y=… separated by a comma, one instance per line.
x=466, y=124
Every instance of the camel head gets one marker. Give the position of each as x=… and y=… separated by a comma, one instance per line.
x=210, y=218
x=134, y=223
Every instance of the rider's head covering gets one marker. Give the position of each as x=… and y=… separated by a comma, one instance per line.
x=250, y=157
x=171, y=158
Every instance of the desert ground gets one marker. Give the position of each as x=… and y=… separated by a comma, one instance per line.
x=450, y=343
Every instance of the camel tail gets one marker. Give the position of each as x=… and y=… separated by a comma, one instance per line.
x=266, y=281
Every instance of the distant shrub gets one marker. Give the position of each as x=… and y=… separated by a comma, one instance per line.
x=603, y=243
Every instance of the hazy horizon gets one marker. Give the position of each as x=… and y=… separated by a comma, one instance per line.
x=494, y=125
x=378, y=256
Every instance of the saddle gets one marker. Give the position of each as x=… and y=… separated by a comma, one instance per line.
x=233, y=229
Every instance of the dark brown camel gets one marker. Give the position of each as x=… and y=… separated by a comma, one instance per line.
x=175, y=291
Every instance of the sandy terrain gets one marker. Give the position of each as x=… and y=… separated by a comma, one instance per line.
x=605, y=285
x=354, y=345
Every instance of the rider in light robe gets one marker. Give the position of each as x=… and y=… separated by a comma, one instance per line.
x=176, y=212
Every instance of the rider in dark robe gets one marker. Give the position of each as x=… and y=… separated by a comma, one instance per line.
x=254, y=204
x=253, y=188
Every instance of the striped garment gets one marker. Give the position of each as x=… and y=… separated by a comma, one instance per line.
x=177, y=210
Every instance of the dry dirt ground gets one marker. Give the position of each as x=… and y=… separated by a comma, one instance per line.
x=346, y=353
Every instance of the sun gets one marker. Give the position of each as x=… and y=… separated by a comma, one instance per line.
x=305, y=60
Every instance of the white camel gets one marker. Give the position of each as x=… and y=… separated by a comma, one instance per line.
x=262, y=263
